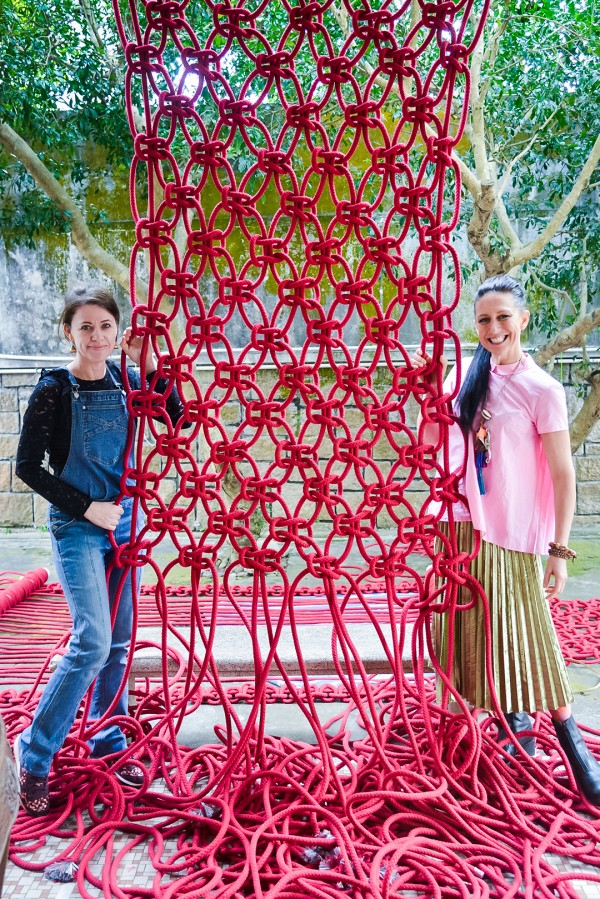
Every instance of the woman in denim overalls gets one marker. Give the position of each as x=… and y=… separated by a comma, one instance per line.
x=81, y=518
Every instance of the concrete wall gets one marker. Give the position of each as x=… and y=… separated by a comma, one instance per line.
x=19, y=507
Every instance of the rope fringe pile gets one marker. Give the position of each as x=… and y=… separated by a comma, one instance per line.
x=357, y=164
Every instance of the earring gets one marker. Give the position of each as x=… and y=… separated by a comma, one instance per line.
x=73, y=350
x=117, y=346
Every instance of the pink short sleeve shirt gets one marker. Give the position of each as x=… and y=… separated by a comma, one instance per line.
x=517, y=509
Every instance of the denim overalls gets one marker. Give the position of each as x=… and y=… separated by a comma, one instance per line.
x=82, y=553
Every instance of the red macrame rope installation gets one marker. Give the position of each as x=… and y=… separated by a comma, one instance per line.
x=295, y=189
x=35, y=627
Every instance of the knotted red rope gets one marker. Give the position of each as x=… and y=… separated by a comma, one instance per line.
x=301, y=187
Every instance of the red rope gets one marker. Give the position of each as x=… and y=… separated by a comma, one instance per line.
x=357, y=165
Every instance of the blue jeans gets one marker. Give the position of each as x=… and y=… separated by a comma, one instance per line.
x=82, y=553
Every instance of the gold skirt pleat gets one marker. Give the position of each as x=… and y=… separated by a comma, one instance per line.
x=529, y=671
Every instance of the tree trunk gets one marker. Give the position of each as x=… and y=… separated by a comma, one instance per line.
x=588, y=415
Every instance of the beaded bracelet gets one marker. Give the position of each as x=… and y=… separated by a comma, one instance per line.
x=561, y=551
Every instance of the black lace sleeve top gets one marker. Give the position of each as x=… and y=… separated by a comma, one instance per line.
x=47, y=430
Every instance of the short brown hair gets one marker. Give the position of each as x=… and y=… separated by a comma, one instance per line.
x=92, y=296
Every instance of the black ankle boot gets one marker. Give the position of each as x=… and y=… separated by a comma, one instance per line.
x=518, y=721
x=584, y=766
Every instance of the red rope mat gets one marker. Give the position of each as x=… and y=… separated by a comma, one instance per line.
x=430, y=830
x=300, y=194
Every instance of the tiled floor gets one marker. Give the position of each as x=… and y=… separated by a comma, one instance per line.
x=138, y=872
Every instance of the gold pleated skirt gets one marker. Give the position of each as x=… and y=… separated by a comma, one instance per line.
x=528, y=668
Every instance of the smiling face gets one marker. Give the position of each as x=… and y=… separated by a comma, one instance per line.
x=499, y=322
x=93, y=331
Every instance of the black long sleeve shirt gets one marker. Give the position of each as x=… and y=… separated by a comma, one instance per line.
x=47, y=429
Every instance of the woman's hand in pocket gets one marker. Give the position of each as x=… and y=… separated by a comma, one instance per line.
x=104, y=515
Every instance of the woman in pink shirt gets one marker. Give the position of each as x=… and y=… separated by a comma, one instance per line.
x=510, y=448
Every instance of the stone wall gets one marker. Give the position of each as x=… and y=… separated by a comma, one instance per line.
x=19, y=507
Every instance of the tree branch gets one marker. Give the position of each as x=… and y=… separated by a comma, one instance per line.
x=508, y=170
x=588, y=415
x=569, y=337
x=563, y=294
x=94, y=33
x=535, y=247
x=81, y=235
x=478, y=128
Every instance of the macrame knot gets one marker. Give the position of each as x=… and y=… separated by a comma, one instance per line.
x=150, y=233
x=380, y=418
x=178, y=284
x=302, y=116
x=259, y=490
x=204, y=63
x=200, y=331
x=234, y=375
x=348, y=378
x=273, y=162
x=417, y=455
x=274, y=65
x=238, y=202
x=382, y=331
x=356, y=214
x=324, y=490
x=354, y=293
x=150, y=322
x=439, y=150
x=269, y=250
x=353, y=451
x=398, y=61
x=418, y=529
x=208, y=154
x=327, y=333
x=454, y=56
x=346, y=525
x=306, y=18
x=439, y=16
x=173, y=445
x=324, y=567
x=288, y=530
x=383, y=249
x=292, y=293
x=296, y=205
x=265, y=339
x=142, y=58
x=407, y=201
x=362, y=115
x=230, y=524
x=377, y=496
x=324, y=252
x=328, y=162
x=263, y=414
x=167, y=519
x=263, y=560
x=302, y=456
x=374, y=25
x=237, y=113
x=204, y=412
x=391, y=161
x=166, y=15
x=146, y=404
x=179, y=196
x=206, y=243
x=335, y=69
x=418, y=110
x=148, y=148
x=175, y=105
x=229, y=21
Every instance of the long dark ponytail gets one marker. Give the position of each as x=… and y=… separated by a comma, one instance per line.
x=475, y=386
